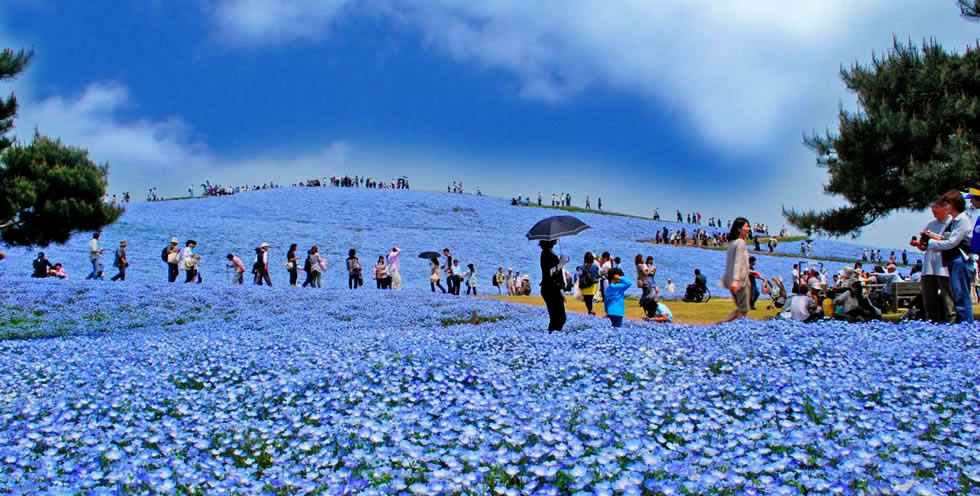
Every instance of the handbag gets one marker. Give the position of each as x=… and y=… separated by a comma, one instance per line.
x=290, y=265
x=323, y=264
x=173, y=257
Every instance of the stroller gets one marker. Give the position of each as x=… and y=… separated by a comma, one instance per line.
x=776, y=291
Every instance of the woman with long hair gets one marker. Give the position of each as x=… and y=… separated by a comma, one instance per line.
x=552, y=283
x=736, y=276
x=291, y=267
x=381, y=273
x=435, y=277
x=641, y=277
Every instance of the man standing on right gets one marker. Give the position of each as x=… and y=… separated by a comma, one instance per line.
x=954, y=244
x=94, y=256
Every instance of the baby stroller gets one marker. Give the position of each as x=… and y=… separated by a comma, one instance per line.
x=696, y=293
x=776, y=291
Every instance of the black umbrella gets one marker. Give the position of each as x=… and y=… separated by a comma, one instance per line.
x=429, y=254
x=556, y=227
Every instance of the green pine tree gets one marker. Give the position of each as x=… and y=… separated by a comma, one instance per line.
x=11, y=64
x=914, y=136
x=970, y=8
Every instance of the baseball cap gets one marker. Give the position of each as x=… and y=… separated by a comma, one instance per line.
x=974, y=192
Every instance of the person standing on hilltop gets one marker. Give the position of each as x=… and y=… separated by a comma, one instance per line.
x=736, y=276
x=551, y=286
x=588, y=206
x=600, y=204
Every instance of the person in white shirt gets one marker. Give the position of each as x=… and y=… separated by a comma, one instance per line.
x=802, y=306
x=189, y=260
x=95, y=256
x=953, y=244
x=937, y=293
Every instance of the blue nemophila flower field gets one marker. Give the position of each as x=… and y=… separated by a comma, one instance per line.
x=146, y=388
x=487, y=232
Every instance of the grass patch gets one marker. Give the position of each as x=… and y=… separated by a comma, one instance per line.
x=462, y=321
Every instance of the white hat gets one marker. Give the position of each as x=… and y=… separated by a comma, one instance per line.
x=173, y=240
x=264, y=245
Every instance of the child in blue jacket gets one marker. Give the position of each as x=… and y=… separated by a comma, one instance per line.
x=616, y=296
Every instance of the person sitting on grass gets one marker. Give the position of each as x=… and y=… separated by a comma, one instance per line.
x=656, y=311
x=616, y=296
x=58, y=271
x=803, y=305
x=41, y=266
x=853, y=306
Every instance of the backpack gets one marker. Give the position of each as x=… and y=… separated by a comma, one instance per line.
x=163, y=254
x=493, y=280
x=586, y=279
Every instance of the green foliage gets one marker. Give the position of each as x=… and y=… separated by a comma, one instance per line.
x=970, y=9
x=49, y=191
x=914, y=136
x=11, y=64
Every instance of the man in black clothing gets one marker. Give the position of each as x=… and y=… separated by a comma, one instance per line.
x=450, y=279
x=551, y=286
x=41, y=266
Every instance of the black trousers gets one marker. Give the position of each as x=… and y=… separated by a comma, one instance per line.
x=293, y=276
x=588, y=302
x=190, y=275
x=173, y=270
x=263, y=275
x=121, y=276
x=556, y=309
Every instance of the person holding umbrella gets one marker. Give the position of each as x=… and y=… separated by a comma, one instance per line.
x=551, y=285
x=435, y=277
x=547, y=231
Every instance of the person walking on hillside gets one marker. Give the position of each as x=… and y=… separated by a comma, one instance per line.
x=291, y=264
x=189, y=260
x=599, y=203
x=381, y=273
x=736, y=276
x=120, y=262
x=236, y=263
x=551, y=286
x=457, y=277
x=953, y=244
x=354, y=272
x=588, y=205
x=171, y=255
x=498, y=280
x=449, y=270
x=262, y=265
x=470, y=275
x=435, y=276
x=314, y=267
x=615, y=299
x=641, y=277
x=394, y=268
x=588, y=281
x=95, y=256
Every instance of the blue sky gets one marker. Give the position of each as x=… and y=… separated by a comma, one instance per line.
x=646, y=104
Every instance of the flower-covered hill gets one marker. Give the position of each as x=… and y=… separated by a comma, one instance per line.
x=228, y=390
x=487, y=232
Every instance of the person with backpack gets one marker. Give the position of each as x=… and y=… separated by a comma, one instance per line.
x=120, y=262
x=498, y=280
x=262, y=265
x=588, y=281
x=354, y=279
x=171, y=257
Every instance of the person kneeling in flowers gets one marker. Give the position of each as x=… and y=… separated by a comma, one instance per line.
x=656, y=311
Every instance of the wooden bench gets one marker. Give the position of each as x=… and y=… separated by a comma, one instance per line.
x=904, y=293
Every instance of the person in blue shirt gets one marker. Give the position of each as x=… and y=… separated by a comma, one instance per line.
x=974, y=197
x=656, y=311
x=616, y=296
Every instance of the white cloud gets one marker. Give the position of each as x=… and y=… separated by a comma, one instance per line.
x=743, y=72
x=144, y=153
x=262, y=21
